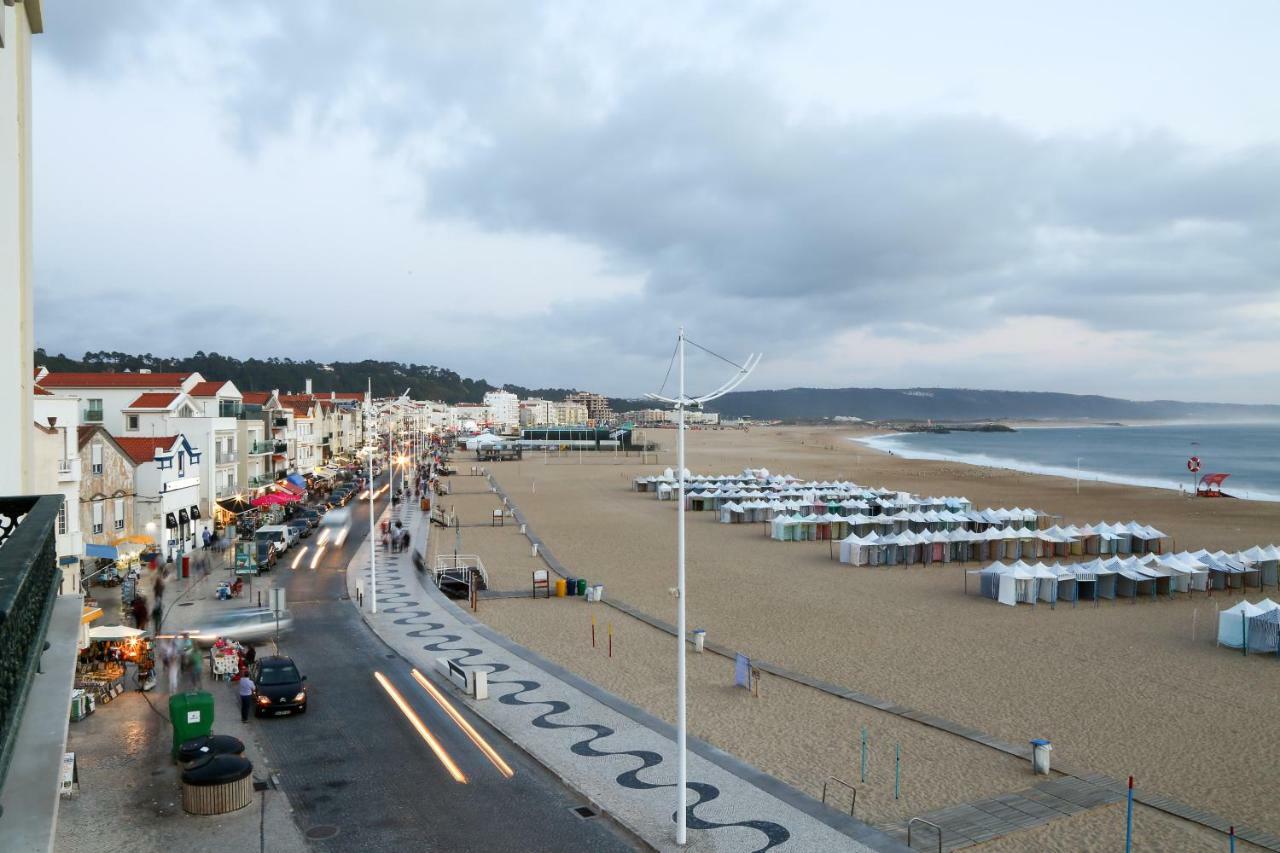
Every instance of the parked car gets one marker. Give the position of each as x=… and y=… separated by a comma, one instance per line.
x=265, y=553
x=301, y=526
x=276, y=534
x=245, y=625
x=278, y=686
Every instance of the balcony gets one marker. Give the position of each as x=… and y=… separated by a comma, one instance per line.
x=68, y=470
x=260, y=480
x=228, y=490
x=227, y=457
x=279, y=423
x=29, y=577
x=258, y=448
x=92, y=416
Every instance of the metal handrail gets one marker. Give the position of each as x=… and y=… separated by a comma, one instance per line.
x=852, y=803
x=936, y=829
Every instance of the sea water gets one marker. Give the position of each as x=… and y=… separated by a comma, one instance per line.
x=1153, y=456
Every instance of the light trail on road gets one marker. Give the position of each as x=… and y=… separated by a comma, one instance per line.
x=298, y=559
x=315, y=561
x=481, y=744
x=417, y=723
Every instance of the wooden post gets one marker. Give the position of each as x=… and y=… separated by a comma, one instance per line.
x=610, y=639
x=593, y=631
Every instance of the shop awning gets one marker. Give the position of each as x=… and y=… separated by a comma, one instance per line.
x=170, y=520
x=89, y=614
x=183, y=517
x=292, y=488
x=114, y=632
x=297, y=480
x=103, y=552
x=235, y=506
x=195, y=512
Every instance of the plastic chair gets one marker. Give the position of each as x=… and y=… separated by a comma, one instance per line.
x=541, y=581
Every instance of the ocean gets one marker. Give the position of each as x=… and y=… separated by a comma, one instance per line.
x=1154, y=456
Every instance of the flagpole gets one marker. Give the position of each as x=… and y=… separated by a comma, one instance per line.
x=681, y=722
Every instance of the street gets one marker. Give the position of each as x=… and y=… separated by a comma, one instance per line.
x=361, y=777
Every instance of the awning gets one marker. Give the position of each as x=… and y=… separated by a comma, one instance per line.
x=170, y=520
x=292, y=488
x=89, y=614
x=114, y=632
x=297, y=480
x=235, y=506
x=68, y=560
x=104, y=552
x=183, y=517
x=195, y=512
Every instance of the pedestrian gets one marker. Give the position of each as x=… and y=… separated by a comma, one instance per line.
x=246, y=688
x=194, y=665
x=208, y=537
x=404, y=540
x=157, y=615
x=139, y=608
x=250, y=655
x=169, y=657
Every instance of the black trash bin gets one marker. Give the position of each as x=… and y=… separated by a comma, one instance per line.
x=217, y=784
x=189, y=750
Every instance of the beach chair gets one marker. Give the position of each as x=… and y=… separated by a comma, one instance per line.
x=541, y=581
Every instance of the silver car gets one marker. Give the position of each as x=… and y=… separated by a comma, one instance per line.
x=250, y=625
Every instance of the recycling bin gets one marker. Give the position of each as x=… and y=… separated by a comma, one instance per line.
x=699, y=639
x=192, y=716
x=1040, y=749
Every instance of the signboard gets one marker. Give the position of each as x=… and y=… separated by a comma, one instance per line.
x=193, y=717
x=276, y=599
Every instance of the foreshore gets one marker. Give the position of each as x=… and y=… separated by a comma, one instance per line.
x=1120, y=689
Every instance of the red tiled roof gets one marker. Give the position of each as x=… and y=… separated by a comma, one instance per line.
x=114, y=380
x=253, y=398
x=153, y=400
x=349, y=395
x=300, y=410
x=208, y=388
x=142, y=450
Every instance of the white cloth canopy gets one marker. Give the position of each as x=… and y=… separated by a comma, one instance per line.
x=114, y=632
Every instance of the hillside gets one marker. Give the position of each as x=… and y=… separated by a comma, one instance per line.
x=425, y=382
x=966, y=405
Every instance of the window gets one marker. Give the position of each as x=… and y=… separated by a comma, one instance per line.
x=62, y=518
x=131, y=423
x=97, y=516
x=94, y=412
x=182, y=464
x=117, y=511
x=96, y=457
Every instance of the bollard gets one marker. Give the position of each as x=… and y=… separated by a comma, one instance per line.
x=535, y=549
x=897, y=770
x=610, y=639
x=1231, y=840
x=863, y=775
x=1128, y=820
x=593, y=632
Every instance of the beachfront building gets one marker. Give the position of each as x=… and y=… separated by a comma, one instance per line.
x=597, y=406
x=306, y=435
x=104, y=397
x=504, y=410
x=536, y=412
x=167, y=491
x=470, y=417
x=56, y=469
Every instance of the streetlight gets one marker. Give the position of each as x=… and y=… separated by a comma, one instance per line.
x=681, y=402
x=370, y=442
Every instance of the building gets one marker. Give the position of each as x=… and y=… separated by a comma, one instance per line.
x=56, y=469
x=504, y=410
x=105, y=396
x=168, y=495
x=598, y=410
x=471, y=417
x=17, y=301
x=108, y=510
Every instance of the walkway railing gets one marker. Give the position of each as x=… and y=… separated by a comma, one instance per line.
x=924, y=822
x=29, y=577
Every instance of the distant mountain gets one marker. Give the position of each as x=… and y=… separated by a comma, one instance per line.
x=425, y=382
x=959, y=404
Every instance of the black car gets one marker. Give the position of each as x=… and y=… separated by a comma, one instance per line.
x=278, y=686
x=302, y=526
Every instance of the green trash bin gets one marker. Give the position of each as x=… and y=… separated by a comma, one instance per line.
x=582, y=586
x=192, y=716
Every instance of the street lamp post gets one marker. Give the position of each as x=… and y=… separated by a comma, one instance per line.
x=682, y=402
x=370, y=443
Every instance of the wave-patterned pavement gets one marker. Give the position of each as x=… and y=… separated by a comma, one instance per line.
x=626, y=768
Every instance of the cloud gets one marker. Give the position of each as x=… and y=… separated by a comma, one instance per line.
x=669, y=177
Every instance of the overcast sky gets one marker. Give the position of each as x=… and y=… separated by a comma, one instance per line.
x=1078, y=196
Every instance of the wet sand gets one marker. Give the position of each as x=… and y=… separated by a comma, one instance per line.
x=1121, y=689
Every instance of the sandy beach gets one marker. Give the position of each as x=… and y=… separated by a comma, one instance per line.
x=1120, y=689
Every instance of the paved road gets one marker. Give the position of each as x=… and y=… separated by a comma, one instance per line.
x=356, y=771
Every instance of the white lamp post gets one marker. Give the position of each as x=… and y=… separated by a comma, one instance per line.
x=682, y=402
x=370, y=443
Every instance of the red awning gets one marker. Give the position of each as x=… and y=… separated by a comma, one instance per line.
x=290, y=488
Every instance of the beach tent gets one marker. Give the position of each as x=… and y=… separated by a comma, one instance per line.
x=1017, y=584
x=732, y=513
x=1262, y=632
x=1232, y=622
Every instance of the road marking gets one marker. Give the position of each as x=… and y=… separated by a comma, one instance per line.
x=417, y=723
x=316, y=559
x=298, y=559
x=481, y=743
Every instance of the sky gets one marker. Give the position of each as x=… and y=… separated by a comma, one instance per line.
x=1079, y=197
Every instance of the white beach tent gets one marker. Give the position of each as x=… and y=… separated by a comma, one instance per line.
x=1231, y=624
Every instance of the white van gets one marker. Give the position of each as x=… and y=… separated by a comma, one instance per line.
x=277, y=534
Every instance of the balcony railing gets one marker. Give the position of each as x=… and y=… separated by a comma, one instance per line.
x=258, y=448
x=226, y=457
x=29, y=576
x=279, y=423
x=68, y=470
x=228, y=490
x=261, y=480
x=93, y=416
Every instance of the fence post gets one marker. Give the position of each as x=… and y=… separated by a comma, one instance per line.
x=1128, y=820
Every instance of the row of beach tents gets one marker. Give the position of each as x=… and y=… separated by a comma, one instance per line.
x=1150, y=575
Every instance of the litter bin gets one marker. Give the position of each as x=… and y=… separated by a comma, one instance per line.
x=571, y=586
x=192, y=716
x=210, y=745
x=186, y=566
x=582, y=587
x=699, y=639
x=560, y=585
x=1040, y=749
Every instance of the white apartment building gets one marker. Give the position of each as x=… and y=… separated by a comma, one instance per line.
x=168, y=493
x=504, y=410
x=56, y=470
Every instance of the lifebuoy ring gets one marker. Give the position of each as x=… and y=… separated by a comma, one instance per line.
x=1193, y=464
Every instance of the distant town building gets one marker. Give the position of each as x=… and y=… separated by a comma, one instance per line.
x=597, y=405
x=504, y=410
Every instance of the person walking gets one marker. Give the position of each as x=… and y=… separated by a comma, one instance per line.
x=169, y=657
x=139, y=608
x=194, y=666
x=246, y=688
x=208, y=537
